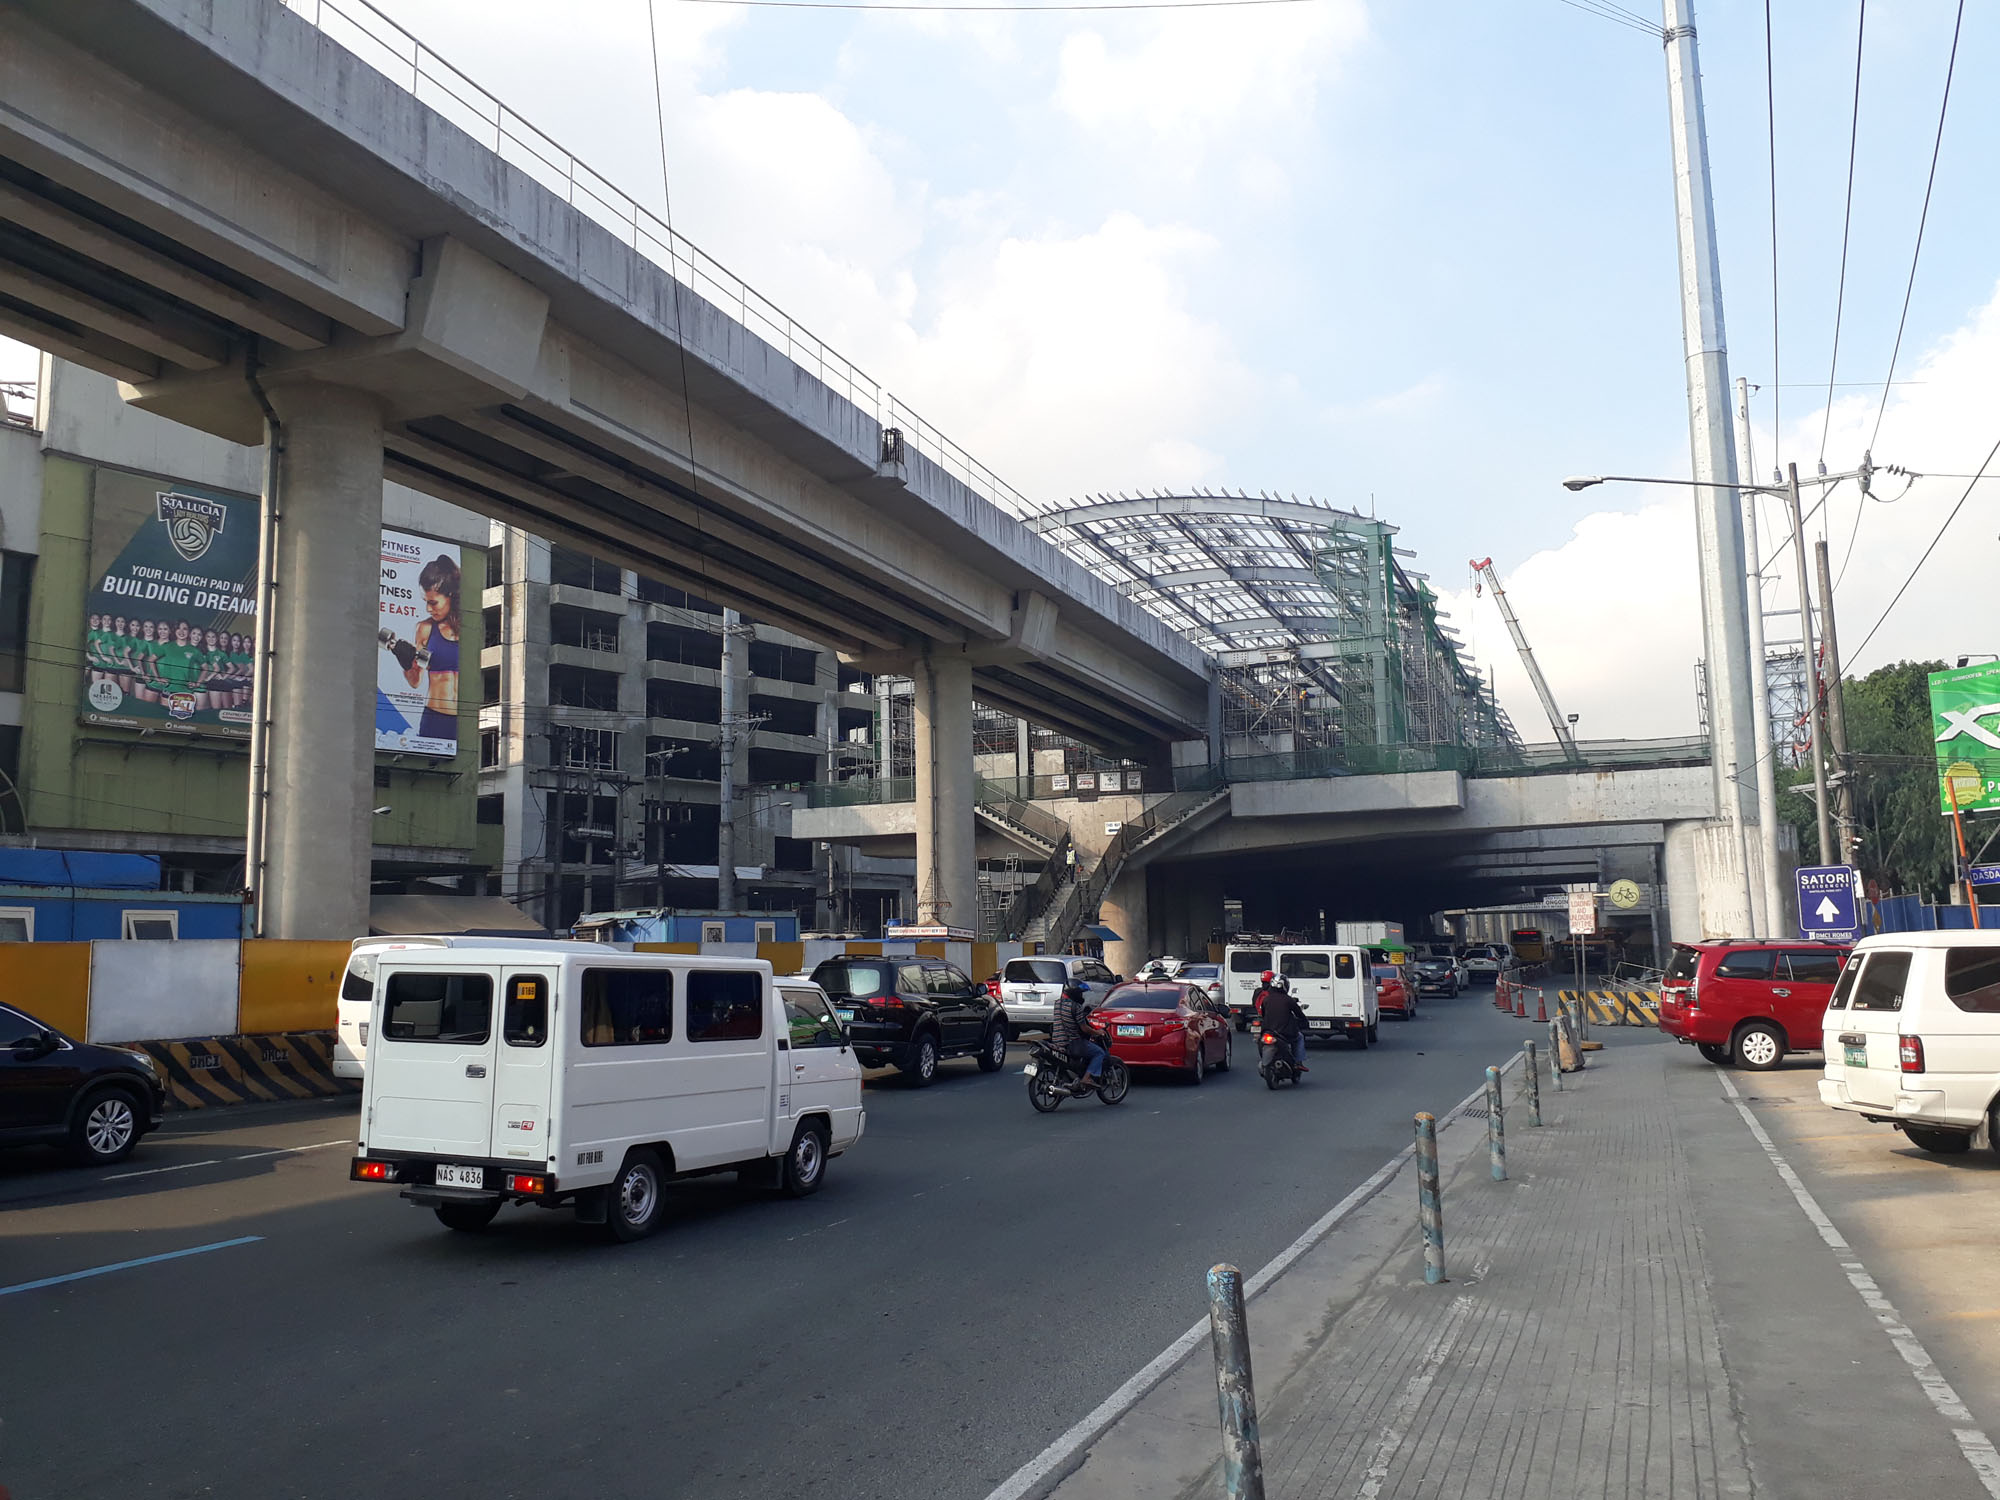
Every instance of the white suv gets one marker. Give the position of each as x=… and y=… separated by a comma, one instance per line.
x=1912, y=1036
x=1029, y=987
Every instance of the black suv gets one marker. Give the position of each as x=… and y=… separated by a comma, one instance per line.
x=911, y=1012
x=99, y=1100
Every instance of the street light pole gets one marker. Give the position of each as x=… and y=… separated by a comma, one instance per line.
x=1760, y=686
x=1718, y=513
x=1813, y=698
x=1836, y=710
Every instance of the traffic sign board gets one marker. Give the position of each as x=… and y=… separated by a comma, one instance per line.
x=1582, y=913
x=1984, y=874
x=1827, y=907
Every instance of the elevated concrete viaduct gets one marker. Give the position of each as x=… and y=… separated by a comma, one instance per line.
x=260, y=234
x=1386, y=846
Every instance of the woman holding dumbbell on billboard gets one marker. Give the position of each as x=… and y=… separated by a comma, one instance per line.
x=435, y=651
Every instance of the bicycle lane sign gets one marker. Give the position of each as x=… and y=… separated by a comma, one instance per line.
x=1828, y=907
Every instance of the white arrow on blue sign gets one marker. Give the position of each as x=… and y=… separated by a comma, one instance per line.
x=1827, y=907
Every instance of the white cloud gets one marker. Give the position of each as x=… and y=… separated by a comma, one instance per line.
x=1199, y=74
x=1074, y=362
x=1613, y=614
x=1614, y=618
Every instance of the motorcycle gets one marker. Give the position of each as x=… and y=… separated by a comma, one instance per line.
x=1052, y=1078
x=1275, y=1061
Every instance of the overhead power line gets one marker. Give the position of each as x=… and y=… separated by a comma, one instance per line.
x=1616, y=13
x=1771, y=158
x=1923, y=218
x=1846, y=222
x=1855, y=655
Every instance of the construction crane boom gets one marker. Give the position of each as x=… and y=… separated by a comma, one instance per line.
x=1482, y=568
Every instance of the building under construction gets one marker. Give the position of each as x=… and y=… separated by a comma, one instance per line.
x=1332, y=649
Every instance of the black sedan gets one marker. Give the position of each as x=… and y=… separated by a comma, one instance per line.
x=1435, y=976
x=97, y=1101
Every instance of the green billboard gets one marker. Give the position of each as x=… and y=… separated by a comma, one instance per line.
x=1965, y=723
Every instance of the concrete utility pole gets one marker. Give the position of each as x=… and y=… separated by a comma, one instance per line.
x=1760, y=685
x=1718, y=511
x=1836, y=711
x=1815, y=704
x=725, y=745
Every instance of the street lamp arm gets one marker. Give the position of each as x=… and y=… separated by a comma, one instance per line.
x=1585, y=481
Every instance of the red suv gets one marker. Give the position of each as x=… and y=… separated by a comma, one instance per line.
x=1748, y=1000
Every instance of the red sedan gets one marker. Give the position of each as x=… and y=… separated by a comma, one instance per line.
x=1393, y=992
x=1164, y=1024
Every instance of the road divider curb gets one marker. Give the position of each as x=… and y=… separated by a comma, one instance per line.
x=204, y=1072
x=1617, y=1007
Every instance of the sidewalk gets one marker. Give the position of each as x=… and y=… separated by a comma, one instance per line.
x=1644, y=1309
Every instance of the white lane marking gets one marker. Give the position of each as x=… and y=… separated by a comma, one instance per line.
x=1414, y=1390
x=1976, y=1447
x=222, y=1161
x=1024, y=1480
x=126, y=1265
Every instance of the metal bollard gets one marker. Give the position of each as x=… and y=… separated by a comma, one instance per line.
x=1556, y=1053
x=1496, y=1126
x=1430, y=1202
x=1235, y=1393
x=1534, y=1073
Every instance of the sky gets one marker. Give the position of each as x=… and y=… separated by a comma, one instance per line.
x=1414, y=258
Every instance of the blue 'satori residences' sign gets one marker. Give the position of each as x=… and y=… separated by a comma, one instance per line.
x=1827, y=902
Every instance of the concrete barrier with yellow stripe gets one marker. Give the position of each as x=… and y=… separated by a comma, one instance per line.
x=1617, y=1007
x=248, y=1069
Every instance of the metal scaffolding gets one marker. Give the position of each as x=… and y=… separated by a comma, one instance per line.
x=1326, y=639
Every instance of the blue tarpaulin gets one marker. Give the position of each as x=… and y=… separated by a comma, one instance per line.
x=77, y=867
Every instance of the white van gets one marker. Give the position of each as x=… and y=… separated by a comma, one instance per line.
x=357, y=990
x=1335, y=986
x=555, y=1072
x=1243, y=966
x=1912, y=1036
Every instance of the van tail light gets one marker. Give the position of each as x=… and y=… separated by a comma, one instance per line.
x=527, y=1182
x=887, y=1002
x=373, y=1171
x=1910, y=1051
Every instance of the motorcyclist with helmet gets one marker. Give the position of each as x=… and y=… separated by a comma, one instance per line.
x=1071, y=1035
x=1282, y=1017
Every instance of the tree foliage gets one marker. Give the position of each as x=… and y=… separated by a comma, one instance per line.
x=1906, y=844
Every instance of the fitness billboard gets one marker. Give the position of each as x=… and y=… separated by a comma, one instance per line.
x=169, y=628
x=416, y=676
x=168, y=624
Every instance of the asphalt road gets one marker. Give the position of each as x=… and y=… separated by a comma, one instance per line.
x=972, y=1279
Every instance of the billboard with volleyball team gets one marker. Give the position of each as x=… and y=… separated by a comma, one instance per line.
x=169, y=630
x=169, y=622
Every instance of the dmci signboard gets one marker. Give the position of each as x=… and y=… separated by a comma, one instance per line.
x=1965, y=724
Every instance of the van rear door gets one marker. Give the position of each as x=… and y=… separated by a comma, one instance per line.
x=523, y=1066
x=430, y=1062
x=1309, y=974
x=1865, y=1035
x=1243, y=970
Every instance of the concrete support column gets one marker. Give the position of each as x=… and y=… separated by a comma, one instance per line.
x=947, y=872
x=320, y=822
x=1124, y=911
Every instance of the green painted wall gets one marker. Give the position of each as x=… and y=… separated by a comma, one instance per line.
x=109, y=779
